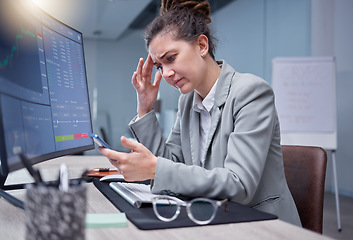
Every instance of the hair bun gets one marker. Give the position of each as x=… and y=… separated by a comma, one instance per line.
x=201, y=6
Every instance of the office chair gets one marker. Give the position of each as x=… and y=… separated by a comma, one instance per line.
x=305, y=169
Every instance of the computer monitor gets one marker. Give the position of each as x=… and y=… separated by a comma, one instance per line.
x=44, y=103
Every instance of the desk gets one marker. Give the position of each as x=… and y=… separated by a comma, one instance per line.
x=12, y=225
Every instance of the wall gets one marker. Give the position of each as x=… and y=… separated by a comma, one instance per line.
x=239, y=28
x=250, y=33
x=343, y=50
x=343, y=47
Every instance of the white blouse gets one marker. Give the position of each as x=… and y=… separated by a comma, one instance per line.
x=204, y=107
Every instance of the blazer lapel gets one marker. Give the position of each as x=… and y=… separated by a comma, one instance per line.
x=195, y=136
x=222, y=92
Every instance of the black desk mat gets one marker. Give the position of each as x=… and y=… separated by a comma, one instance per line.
x=145, y=219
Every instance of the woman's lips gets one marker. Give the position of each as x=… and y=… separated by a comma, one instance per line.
x=177, y=82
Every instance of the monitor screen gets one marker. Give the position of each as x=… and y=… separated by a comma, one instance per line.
x=44, y=104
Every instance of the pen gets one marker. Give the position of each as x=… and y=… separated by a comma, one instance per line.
x=34, y=172
x=64, y=178
x=104, y=169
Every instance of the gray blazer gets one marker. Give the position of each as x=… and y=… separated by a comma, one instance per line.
x=244, y=159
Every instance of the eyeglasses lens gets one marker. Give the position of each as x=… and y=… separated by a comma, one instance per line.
x=202, y=210
x=167, y=208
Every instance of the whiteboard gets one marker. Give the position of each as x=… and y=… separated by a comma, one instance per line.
x=305, y=97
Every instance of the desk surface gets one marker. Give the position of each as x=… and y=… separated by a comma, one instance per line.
x=12, y=219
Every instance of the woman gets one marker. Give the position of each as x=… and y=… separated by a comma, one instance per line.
x=226, y=139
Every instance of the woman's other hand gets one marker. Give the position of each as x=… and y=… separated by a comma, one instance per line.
x=146, y=91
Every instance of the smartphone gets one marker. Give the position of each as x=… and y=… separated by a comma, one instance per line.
x=100, y=142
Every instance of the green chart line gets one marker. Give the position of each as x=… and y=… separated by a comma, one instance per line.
x=8, y=59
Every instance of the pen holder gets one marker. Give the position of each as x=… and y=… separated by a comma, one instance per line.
x=55, y=214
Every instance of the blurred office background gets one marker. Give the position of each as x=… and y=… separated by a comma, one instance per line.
x=250, y=33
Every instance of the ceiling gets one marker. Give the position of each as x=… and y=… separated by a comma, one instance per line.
x=107, y=19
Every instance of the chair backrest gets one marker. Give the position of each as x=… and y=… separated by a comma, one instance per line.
x=305, y=170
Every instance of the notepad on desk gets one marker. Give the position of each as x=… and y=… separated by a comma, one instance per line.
x=105, y=220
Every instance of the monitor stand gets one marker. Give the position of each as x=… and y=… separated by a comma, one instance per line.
x=11, y=199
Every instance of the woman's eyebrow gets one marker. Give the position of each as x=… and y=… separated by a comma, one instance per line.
x=163, y=55
x=161, y=58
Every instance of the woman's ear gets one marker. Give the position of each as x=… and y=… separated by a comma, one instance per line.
x=202, y=42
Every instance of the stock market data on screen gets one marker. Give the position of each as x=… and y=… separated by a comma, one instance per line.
x=43, y=88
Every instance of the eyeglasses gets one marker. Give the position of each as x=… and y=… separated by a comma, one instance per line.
x=200, y=210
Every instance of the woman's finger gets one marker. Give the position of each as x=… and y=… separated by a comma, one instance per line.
x=134, y=81
x=157, y=79
x=139, y=67
x=129, y=143
x=147, y=68
x=113, y=155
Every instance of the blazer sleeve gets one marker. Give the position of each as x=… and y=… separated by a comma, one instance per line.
x=148, y=132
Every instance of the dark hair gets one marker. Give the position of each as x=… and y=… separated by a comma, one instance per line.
x=186, y=19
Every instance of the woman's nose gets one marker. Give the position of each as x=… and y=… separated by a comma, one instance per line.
x=167, y=72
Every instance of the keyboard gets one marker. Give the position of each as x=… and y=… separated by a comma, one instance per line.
x=136, y=194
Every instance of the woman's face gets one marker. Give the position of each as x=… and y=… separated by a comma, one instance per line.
x=180, y=62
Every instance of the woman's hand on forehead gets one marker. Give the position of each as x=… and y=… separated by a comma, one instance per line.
x=146, y=90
